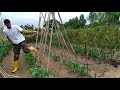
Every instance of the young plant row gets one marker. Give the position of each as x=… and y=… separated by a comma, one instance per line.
x=5, y=47
x=75, y=67
x=37, y=71
x=72, y=66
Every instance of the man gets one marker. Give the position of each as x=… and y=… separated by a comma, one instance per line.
x=14, y=35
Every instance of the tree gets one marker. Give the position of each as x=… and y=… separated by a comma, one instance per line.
x=76, y=23
x=82, y=21
x=27, y=26
x=22, y=26
x=100, y=18
x=92, y=17
x=32, y=25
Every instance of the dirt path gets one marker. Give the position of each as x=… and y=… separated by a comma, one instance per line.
x=59, y=69
x=7, y=65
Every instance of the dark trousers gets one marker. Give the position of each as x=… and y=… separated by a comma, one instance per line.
x=17, y=48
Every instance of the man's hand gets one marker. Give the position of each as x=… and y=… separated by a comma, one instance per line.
x=34, y=31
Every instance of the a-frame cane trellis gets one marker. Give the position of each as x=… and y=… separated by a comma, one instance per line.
x=44, y=35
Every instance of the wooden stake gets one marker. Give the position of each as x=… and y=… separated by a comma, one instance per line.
x=50, y=42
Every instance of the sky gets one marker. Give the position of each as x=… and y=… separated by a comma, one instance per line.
x=22, y=18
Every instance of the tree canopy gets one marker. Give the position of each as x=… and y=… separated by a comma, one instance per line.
x=94, y=19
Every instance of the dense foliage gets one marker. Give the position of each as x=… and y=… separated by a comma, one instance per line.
x=99, y=39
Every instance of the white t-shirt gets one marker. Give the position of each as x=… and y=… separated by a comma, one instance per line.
x=14, y=33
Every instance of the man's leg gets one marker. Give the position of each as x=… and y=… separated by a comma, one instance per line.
x=24, y=47
x=16, y=50
x=28, y=49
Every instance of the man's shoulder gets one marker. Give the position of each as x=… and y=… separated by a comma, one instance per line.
x=14, y=25
x=4, y=30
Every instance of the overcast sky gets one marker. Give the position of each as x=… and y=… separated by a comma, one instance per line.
x=22, y=18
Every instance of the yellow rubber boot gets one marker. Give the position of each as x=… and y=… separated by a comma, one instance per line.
x=16, y=66
x=31, y=48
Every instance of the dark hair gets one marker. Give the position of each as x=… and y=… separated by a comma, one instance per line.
x=6, y=21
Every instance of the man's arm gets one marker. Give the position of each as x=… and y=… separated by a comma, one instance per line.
x=25, y=31
x=29, y=32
